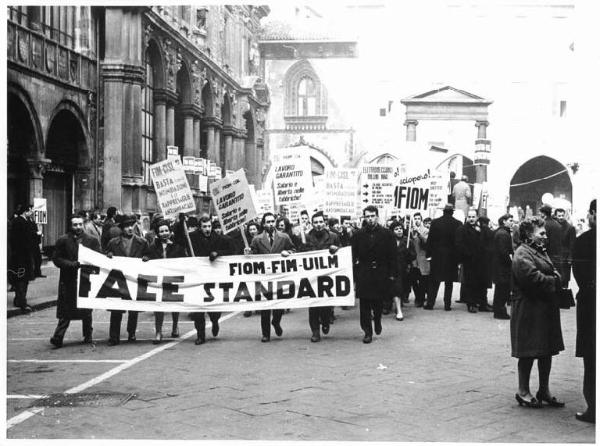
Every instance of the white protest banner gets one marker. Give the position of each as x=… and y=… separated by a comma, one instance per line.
x=212, y=169
x=172, y=152
x=315, y=202
x=439, y=190
x=341, y=191
x=173, y=192
x=411, y=193
x=188, y=163
x=377, y=185
x=229, y=172
x=203, y=183
x=293, y=182
x=218, y=172
x=232, y=200
x=264, y=201
x=40, y=211
x=229, y=283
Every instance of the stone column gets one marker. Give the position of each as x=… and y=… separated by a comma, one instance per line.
x=170, y=124
x=197, y=137
x=161, y=99
x=411, y=129
x=188, y=135
x=210, y=142
x=217, y=158
x=37, y=169
x=249, y=150
x=229, y=155
x=482, y=129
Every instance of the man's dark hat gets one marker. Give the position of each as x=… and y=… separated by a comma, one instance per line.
x=449, y=207
x=128, y=220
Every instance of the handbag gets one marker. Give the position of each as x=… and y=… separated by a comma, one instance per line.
x=565, y=298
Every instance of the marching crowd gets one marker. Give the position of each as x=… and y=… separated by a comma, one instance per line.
x=528, y=261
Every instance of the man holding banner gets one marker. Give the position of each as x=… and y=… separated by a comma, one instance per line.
x=374, y=255
x=270, y=241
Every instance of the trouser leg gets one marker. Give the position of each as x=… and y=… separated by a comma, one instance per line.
x=277, y=315
x=589, y=383
x=61, y=329
x=199, y=324
x=434, y=286
x=114, y=330
x=365, y=317
x=314, y=315
x=501, y=294
x=214, y=316
x=448, y=292
x=132, y=319
x=86, y=326
x=159, y=317
x=377, y=306
x=21, y=293
x=175, y=318
x=265, y=322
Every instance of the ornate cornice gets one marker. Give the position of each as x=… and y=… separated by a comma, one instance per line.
x=192, y=110
x=212, y=121
x=112, y=72
x=164, y=96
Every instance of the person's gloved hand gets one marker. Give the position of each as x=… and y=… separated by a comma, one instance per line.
x=145, y=258
x=247, y=251
x=333, y=249
x=285, y=253
x=109, y=255
x=213, y=255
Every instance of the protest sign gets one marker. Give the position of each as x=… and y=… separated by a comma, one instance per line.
x=188, y=163
x=232, y=200
x=173, y=192
x=411, y=193
x=229, y=283
x=341, y=192
x=218, y=172
x=229, y=172
x=438, y=190
x=377, y=185
x=293, y=182
x=172, y=152
x=264, y=201
x=40, y=211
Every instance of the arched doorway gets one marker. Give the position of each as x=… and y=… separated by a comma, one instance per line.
x=66, y=147
x=22, y=144
x=536, y=177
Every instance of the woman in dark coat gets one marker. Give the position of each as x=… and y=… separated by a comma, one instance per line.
x=164, y=248
x=66, y=253
x=20, y=260
x=404, y=256
x=535, y=320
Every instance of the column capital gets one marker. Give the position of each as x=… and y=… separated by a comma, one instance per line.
x=116, y=72
x=482, y=123
x=211, y=121
x=190, y=110
x=37, y=167
x=411, y=122
x=165, y=96
x=229, y=130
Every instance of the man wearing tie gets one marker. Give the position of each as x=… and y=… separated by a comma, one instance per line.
x=270, y=241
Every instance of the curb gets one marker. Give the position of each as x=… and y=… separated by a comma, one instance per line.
x=36, y=307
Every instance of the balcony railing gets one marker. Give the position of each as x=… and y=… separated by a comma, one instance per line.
x=34, y=50
x=305, y=123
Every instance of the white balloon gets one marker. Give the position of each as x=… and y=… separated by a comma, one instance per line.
x=547, y=198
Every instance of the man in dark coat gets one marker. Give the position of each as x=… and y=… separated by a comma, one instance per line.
x=501, y=265
x=66, y=253
x=584, y=270
x=21, y=261
x=270, y=241
x=207, y=243
x=442, y=252
x=567, y=241
x=35, y=239
x=126, y=245
x=470, y=248
x=319, y=237
x=374, y=255
x=109, y=223
x=554, y=233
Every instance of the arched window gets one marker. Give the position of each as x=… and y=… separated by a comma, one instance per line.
x=307, y=97
x=148, y=121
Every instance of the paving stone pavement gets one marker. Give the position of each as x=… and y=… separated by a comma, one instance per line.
x=436, y=376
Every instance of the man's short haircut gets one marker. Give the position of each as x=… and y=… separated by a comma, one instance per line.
x=483, y=220
x=557, y=210
x=332, y=221
x=427, y=220
x=205, y=219
x=75, y=215
x=503, y=218
x=304, y=212
x=417, y=214
x=265, y=215
x=111, y=211
x=317, y=214
x=546, y=210
x=395, y=224
x=472, y=210
x=592, y=206
x=371, y=208
x=216, y=224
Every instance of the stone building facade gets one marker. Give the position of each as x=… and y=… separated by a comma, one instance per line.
x=96, y=94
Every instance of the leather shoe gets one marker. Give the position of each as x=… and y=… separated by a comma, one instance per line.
x=131, y=338
x=175, y=333
x=501, y=316
x=157, y=338
x=57, y=343
x=278, y=329
x=113, y=342
x=215, y=328
x=265, y=339
x=199, y=341
x=367, y=339
x=447, y=308
x=427, y=307
x=486, y=308
x=418, y=304
x=471, y=308
x=325, y=329
x=550, y=401
x=87, y=340
x=378, y=327
x=26, y=309
x=316, y=337
x=585, y=417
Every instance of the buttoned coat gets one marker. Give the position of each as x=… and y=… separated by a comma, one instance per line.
x=66, y=253
x=20, y=240
x=281, y=242
x=501, y=258
x=314, y=243
x=419, y=244
x=535, y=329
x=471, y=249
x=174, y=250
x=374, y=255
x=139, y=247
x=203, y=245
x=441, y=248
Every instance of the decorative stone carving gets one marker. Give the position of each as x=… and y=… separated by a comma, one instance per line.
x=173, y=58
x=50, y=58
x=147, y=34
x=23, y=47
x=198, y=81
x=74, y=69
x=63, y=71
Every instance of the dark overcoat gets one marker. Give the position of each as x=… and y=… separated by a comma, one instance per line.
x=535, y=329
x=441, y=248
x=139, y=247
x=554, y=244
x=501, y=257
x=316, y=241
x=203, y=245
x=174, y=250
x=471, y=250
x=21, y=239
x=374, y=255
x=66, y=253
x=584, y=270
x=567, y=242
